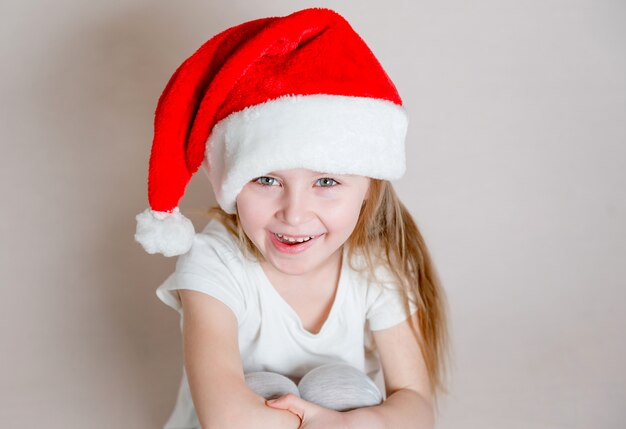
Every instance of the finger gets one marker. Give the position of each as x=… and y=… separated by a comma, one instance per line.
x=288, y=402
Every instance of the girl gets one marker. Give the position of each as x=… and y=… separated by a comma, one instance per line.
x=309, y=300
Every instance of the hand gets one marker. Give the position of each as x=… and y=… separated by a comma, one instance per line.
x=312, y=416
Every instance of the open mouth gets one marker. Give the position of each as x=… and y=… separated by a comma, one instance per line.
x=292, y=245
x=293, y=240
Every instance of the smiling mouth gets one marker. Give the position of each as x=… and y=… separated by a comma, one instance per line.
x=293, y=240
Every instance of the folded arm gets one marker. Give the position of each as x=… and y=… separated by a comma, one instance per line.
x=409, y=403
x=215, y=373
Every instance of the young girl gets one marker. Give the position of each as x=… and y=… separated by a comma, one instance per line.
x=309, y=300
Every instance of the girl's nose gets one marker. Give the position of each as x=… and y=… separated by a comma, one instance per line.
x=295, y=208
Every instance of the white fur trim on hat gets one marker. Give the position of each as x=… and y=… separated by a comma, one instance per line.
x=326, y=133
x=161, y=232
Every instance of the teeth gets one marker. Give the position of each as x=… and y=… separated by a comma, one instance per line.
x=291, y=239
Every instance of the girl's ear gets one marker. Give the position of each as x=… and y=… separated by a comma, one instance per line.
x=369, y=188
x=367, y=195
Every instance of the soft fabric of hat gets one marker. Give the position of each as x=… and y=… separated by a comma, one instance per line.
x=299, y=91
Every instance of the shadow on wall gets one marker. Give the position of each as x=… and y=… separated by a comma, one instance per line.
x=104, y=87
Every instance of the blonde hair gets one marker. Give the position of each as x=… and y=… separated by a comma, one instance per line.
x=386, y=233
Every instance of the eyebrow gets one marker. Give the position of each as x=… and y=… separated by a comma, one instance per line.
x=315, y=173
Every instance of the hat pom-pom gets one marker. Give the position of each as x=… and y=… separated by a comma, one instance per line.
x=168, y=233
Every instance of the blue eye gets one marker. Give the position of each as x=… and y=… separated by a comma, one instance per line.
x=327, y=182
x=266, y=181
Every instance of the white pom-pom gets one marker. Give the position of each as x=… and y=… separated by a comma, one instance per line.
x=170, y=234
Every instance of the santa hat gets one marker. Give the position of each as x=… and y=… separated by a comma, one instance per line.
x=299, y=91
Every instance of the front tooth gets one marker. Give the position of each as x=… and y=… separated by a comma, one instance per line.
x=293, y=240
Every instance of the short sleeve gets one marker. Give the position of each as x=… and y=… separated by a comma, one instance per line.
x=212, y=267
x=385, y=305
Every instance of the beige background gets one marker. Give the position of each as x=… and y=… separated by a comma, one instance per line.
x=516, y=177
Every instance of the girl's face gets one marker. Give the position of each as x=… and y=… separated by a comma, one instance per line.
x=299, y=204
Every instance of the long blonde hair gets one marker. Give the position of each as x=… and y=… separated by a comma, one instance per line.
x=386, y=229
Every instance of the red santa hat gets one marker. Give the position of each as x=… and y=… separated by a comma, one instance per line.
x=299, y=91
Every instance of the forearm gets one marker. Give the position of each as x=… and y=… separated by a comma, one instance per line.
x=404, y=409
x=246, y=410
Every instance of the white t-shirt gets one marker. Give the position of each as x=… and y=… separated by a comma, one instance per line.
x=271, y=335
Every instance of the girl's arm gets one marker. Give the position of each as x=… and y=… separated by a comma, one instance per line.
x=409, y=402
x=214, y=369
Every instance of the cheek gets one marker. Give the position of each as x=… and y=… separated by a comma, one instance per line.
x=344, y=215
x=245, y=207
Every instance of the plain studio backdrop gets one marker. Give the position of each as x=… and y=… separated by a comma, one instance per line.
x=516, y=177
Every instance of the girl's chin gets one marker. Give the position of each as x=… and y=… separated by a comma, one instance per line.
x=289, y=268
